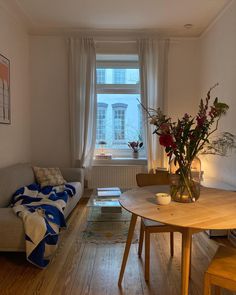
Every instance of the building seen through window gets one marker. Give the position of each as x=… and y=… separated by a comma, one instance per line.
x=101, y=76
x=101, y=121
x=119, y=76
x=118, y=107
x=119, y=120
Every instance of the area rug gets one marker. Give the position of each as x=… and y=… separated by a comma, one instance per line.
x=105, y=230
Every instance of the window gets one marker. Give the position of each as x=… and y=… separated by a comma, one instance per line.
x=101, y=122
x=119, y=135
x=119, y=76
x=101, y=76
x=118, y=109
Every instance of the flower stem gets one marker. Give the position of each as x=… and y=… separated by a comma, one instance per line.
x=186, y=181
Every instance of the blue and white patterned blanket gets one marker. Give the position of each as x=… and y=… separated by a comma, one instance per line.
x=41, y=210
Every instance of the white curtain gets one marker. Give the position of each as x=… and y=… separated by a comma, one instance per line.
x=82, y=98
x=153, y=59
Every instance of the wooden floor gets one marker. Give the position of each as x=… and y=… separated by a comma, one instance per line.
x=91, y=269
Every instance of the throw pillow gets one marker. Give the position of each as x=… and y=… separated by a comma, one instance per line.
x=48, y=176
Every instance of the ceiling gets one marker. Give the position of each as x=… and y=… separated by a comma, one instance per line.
x=163, y=16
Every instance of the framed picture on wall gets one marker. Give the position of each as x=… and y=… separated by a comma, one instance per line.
x=5, y=110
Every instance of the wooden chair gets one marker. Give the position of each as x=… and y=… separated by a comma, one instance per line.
x=160, y=178
x=221, y=272
x=147, y=226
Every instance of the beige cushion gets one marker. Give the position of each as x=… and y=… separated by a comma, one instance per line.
x=48, y=176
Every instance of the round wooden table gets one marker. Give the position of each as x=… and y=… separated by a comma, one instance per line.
x=215, y=209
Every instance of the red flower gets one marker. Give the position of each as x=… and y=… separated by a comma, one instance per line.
x=174, y=146
x=166, y=140
x=201, y=121
x=165, y=128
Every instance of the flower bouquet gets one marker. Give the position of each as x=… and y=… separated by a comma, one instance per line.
x=184, y=140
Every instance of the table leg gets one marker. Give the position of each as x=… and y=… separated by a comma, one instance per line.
x=186, y=253
x=127, y=246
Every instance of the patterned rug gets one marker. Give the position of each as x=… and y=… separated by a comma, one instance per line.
x=107, y=228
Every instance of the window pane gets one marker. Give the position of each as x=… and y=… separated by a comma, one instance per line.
x=117, y=76
x=101, y=76
x=121, y=122
x=119, y=118
x=101, y=122
x=118, y=90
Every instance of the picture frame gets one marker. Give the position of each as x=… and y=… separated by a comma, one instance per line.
x=5, y=106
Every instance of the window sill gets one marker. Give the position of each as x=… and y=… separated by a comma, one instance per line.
x=120, y=162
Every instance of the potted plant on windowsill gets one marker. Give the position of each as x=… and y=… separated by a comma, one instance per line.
x=135, y=146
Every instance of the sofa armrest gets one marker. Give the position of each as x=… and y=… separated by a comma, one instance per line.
x=73, y=175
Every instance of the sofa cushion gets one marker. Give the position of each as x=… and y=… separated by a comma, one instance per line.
x=48, y=176
x=11, y=178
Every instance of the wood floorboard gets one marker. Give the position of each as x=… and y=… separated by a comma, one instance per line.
x=81, y=268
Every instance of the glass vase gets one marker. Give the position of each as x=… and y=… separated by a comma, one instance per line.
x=135, y=155
x=185, y=181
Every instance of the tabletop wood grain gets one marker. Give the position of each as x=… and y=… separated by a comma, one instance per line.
x=215, y=209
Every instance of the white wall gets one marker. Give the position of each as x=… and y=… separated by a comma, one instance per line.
x=15, y=138
x=218, y=64
x=183, y=77
x=50, y=118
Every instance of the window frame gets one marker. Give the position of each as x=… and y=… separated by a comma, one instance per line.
x=119, y=89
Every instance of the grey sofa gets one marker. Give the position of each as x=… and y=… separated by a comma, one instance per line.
x=14, y=177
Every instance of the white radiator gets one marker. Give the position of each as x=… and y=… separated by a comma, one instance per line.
x=121, y=176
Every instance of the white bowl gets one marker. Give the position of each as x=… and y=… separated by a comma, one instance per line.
x=163, y=198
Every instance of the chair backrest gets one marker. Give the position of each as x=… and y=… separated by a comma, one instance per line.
x=160, y=178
